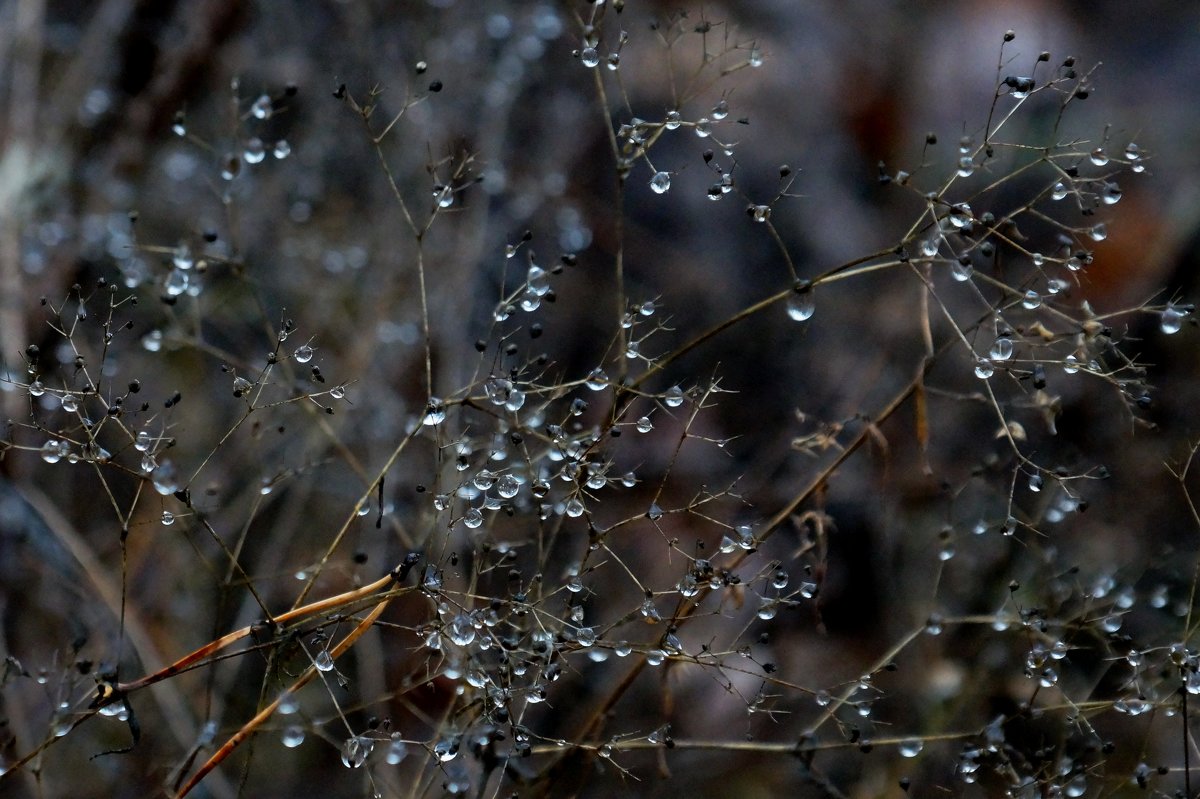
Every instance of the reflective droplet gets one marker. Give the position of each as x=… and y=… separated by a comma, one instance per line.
x=165, y=478
x=473, y=518
x=52, y=451
x=1031, y=301
x=574, y=507
x=911, y=747
x=396, y=752
x=1002, y=349
x=1058, y=192
x=323, y=661
x=507, y=486
x=293, y=736
x=984, y=369
x=462, y=630
x=355, y=750
x=303, y=354
x=966, y=166
x=801, y=306
x=168, y=518
x=255, y=151
x=262, y=108
x=435, y=413
x=674, y=397
x=720, y=110
x=660, y=183
x=288, y=703
x=597, y=380
x=655, y=513
x=1098, y=156
x=589, y=57
x=1171, y=321
x=673, y=120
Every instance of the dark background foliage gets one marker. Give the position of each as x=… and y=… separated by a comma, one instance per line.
x=90, y=93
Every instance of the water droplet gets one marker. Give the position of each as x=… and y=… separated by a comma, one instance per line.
x=1058, y=192
x=589, y=57
x=660, y=183
x=960, y=215
x=1002, y=349
x=597, y=380
x=1070, y=364
x=574, y=507
x=586, y=636
x=966, y=166
x=435, y=412
x=720, y=110
x=54, y=450
x=703, y=127
x=1111, y=623
x=673, y=120
x=674, y=397
x=168, y=518
x=1111, y=194
x=473, y=518
x=655, y=657
x=323, y=661
x=462, y=630
x=1035, y=482
x=262, y=108
x=231, y=166
x=355, y=750
x=508, y=486
x=655, y=513
x=1031, y=301
x=396, y=752
x=984, y=369
x=293, y=736
x=255, y=151
x=756, y=58
x=288, y=703
x=911, y=747
x=1098, y=232
x=166, y=478
x=1171, y=321
x=761, y=213
x=282, y=149
x=1098, y=157
x=446, y=749
x=961, y=269
x=1077, y=786
x=303, y=354
x=800, y=304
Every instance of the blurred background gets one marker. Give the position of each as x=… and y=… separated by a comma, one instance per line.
x=133, y=134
